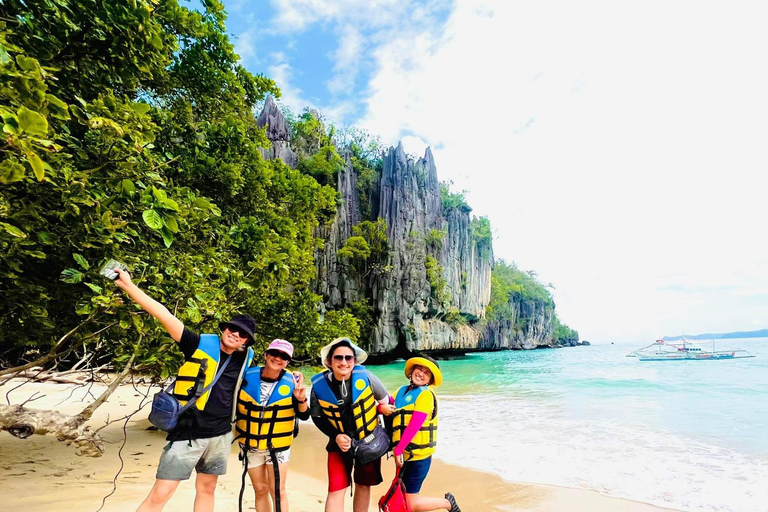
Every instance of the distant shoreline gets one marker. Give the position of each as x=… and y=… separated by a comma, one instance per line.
x=762, y=333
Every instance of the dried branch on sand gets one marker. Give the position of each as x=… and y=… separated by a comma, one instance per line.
x=22, y=422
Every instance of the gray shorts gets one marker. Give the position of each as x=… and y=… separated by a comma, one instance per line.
x=208, y=456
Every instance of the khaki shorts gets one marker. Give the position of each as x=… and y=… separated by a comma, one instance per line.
x=208, y=456
x=258, y=458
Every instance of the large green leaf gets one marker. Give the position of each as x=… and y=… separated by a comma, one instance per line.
x=37, y=165
x=32, y=122
x=126, y=186
x=11, y=171
x=81, y=261
x=12, y=230
x=58, y=108
x=169, y=204
x=93, y=287
x=171, y=224
x=152, y=218
x=71, y=275
x=167, y=237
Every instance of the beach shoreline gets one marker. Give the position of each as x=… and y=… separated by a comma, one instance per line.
x=41, y=473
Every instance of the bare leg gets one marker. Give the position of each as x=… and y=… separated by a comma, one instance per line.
x=158, y=496
x=335, y=501
x=205, y=486
x=424, y=503
x=261, y=487
x=362, y=498
x=283, y=468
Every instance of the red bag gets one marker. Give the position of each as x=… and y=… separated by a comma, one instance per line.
x=394, y=500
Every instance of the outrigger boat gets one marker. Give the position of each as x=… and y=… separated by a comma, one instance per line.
x=662, y=350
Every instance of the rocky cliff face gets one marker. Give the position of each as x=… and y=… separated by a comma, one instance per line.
x=409, y=314
x=529, y=327
x=410, y=317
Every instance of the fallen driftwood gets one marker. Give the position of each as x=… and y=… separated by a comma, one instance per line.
x=22, y=422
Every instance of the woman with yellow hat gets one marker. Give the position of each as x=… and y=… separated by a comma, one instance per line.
x=415, y=432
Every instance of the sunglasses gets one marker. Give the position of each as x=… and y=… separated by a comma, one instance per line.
x=277, y=353
x=347, y=358
x=237, y=330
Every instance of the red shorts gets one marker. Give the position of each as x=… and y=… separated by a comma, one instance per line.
x=340, y=467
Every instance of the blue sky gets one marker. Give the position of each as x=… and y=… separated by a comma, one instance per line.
x=617, y=148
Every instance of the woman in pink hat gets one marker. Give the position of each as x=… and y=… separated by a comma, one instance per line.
x=269, y=405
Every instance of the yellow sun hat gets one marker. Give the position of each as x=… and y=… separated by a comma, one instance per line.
x=426, y=362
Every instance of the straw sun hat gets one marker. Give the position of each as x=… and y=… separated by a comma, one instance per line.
x=360, y=354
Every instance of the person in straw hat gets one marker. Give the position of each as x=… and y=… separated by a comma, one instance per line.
x=344, y=404
x=415, y=432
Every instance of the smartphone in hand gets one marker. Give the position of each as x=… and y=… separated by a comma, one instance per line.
x=108, y=270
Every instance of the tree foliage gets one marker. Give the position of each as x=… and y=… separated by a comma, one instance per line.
x=129, y=134
x=510, y=284
x=453, y=200
x=480, y=231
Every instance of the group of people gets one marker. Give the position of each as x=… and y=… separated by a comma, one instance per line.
x=265, y=403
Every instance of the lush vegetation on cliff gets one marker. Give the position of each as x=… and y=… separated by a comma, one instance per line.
x=510, y=287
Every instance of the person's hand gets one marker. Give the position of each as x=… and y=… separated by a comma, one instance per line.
x=399, y=460
x=299, y=391
x=387, y=409
x=344, y=442
x=123, y=280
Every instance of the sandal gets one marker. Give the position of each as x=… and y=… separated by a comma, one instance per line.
x=452, y=501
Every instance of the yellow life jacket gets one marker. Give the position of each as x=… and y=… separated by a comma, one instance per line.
x=269, y=425
x=424, y=442
x=199, y=371
x=363, y=402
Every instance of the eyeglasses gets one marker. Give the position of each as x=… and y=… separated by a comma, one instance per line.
x=237, y=330
x=347, y=358
x=277, y=353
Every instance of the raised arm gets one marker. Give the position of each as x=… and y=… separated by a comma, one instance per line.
x=172, y=324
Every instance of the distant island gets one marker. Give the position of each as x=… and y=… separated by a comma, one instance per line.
x=762, y=333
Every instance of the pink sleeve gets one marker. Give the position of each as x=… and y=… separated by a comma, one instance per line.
x=417, y=420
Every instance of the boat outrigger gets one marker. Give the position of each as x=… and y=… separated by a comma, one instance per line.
x=662, y=350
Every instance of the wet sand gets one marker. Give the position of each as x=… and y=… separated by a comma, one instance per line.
x=42, y=474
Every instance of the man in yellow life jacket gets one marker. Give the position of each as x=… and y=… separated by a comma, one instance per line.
x=269, y=402
x=345, y=403
x=415, y=433
x=202, y=440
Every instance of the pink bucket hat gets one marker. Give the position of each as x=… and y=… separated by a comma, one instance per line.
x=282, y=346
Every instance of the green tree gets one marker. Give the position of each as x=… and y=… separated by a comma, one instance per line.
x=149, y=155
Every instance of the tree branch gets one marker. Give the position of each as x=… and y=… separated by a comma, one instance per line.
x=86, y=414
x=51, y=355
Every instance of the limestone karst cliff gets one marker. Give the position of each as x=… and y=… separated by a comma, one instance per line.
x=428, y=289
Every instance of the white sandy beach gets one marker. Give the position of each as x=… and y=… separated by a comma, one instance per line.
x=42, y=474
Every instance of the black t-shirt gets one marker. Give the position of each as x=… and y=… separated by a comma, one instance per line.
x=214, y=420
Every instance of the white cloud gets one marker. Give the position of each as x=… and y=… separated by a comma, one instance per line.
x=611, y=146
x=346, y=59
x=245, y=47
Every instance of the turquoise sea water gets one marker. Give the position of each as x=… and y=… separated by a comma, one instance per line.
x=691, y=435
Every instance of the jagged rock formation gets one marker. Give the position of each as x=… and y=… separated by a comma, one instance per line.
x=278, y=134
x=408, y=314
